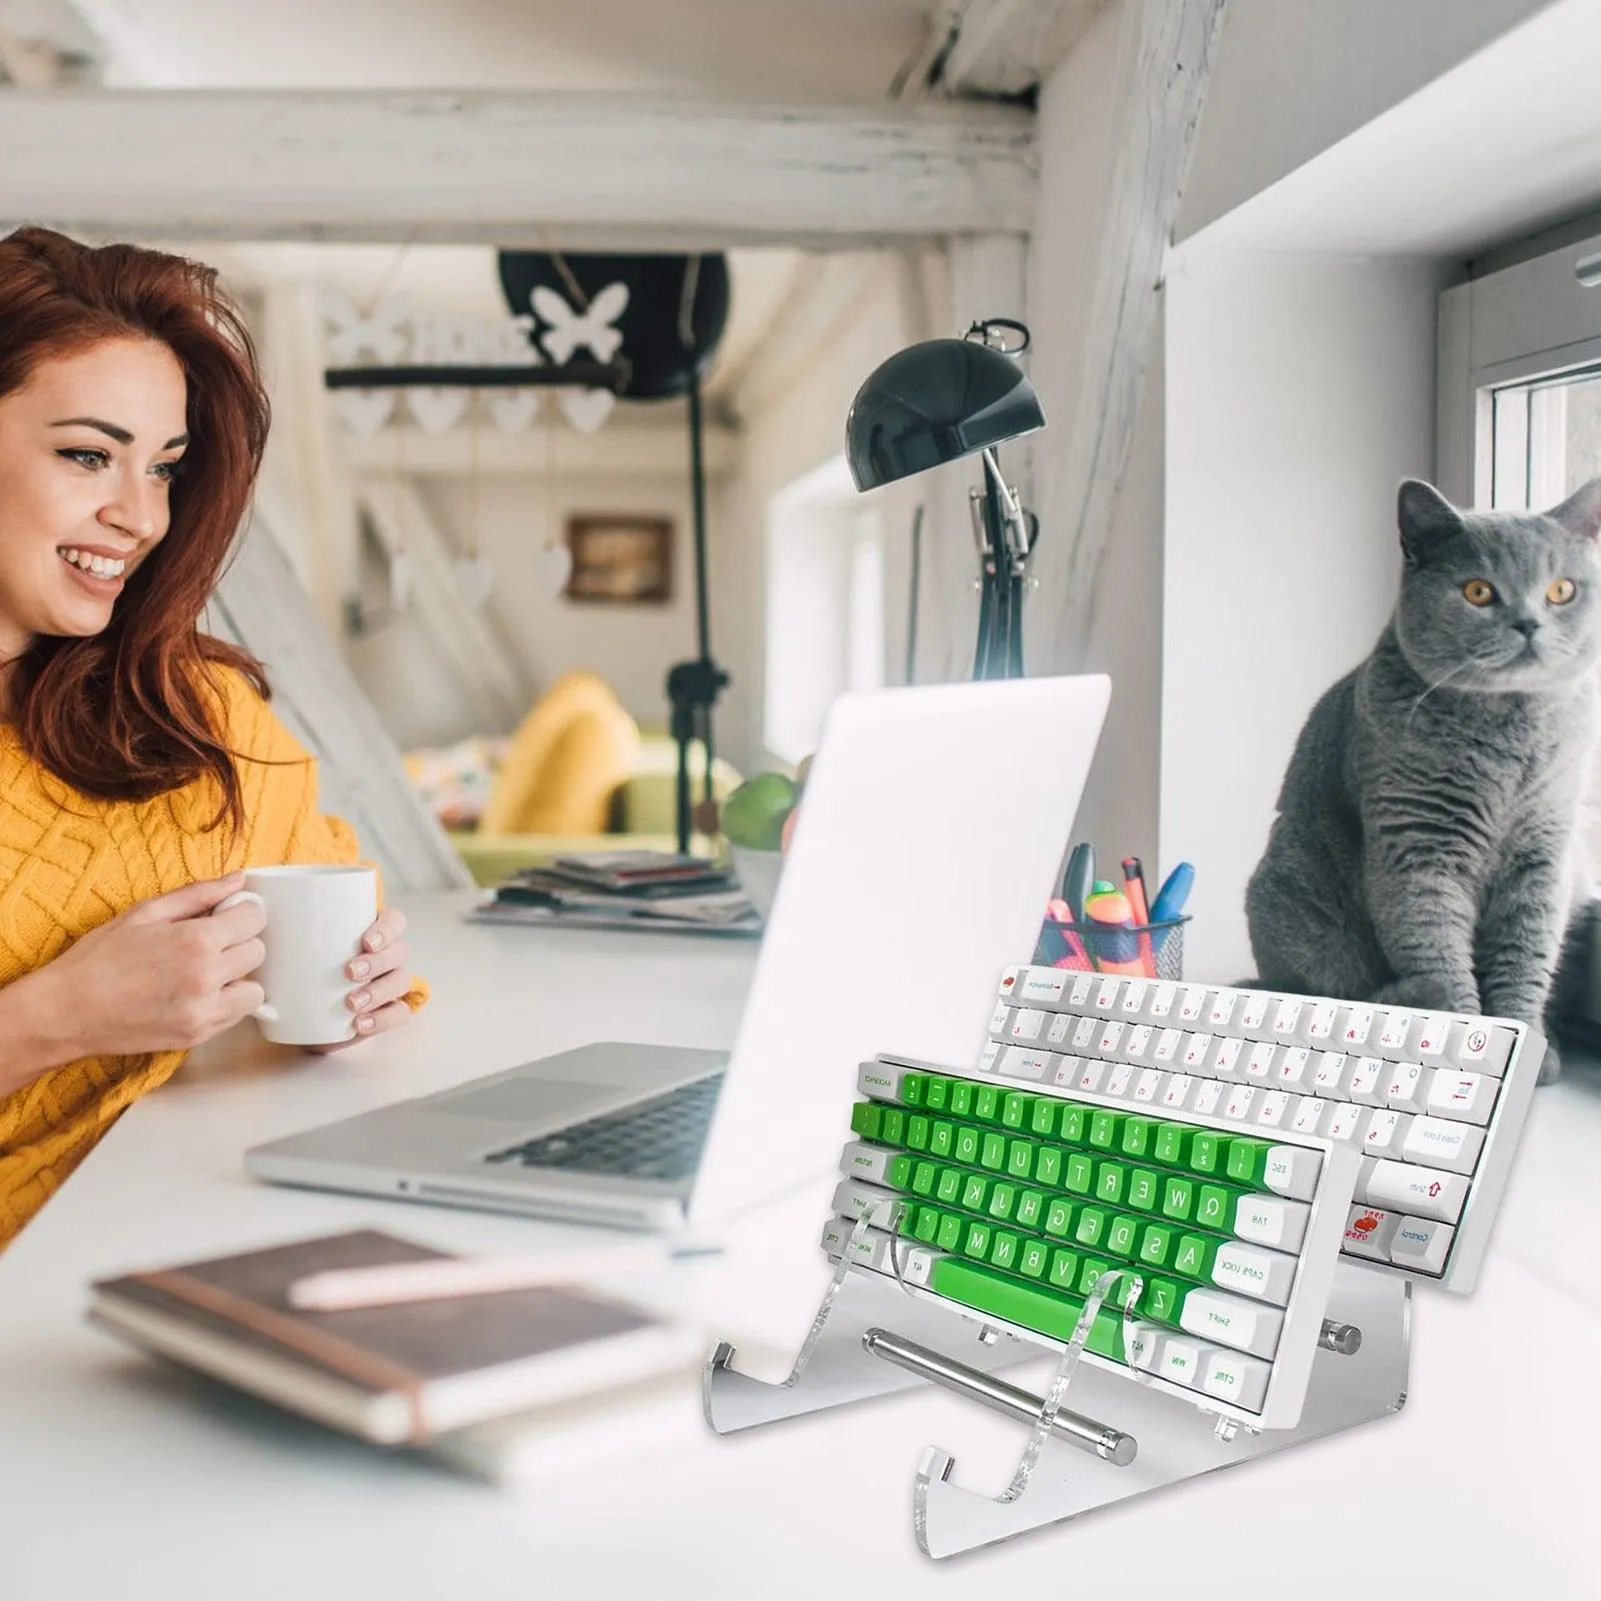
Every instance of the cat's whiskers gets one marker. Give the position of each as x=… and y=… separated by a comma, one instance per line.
x=1429, y=689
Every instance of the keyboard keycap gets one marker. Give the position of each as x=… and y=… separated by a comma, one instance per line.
x=1393, y=1032
x=1369, y=1077
x=1481, y=1047
x=1251, y=1270
x=1407, y=1087
x=1019, y=1062
x=1431, y=1037
x=1272, y=1109
x=1233, y=1377
x=1271, y=1220
x=1386, y=1133
x=1040, y=986
x=1403, y=1187
x=1233, y=1321
x=1027, y=1024
x=1437, y=1142
x=1295, y=1068
x=1422, y=1245
x=1369, y=1230
x=1467, y=1097
x=1311, y=1113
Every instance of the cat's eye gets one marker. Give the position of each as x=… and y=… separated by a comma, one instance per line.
x=1477, y=592
x=1562, y=590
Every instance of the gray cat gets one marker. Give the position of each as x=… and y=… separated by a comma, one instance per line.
x=1424, y=849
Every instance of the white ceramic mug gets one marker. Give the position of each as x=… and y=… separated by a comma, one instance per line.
x=316, y=917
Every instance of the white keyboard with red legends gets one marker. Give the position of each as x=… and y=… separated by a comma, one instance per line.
x=1433, y=1101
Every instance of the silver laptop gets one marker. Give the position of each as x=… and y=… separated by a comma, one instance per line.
x=935, y=820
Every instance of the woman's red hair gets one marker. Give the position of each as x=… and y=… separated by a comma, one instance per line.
x=135, y=710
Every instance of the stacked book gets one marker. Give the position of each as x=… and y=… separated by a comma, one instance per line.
x=635, y=889
x=495, y=1383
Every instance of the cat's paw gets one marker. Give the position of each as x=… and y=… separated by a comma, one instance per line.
x=1551, y=1066
x=1426, y=992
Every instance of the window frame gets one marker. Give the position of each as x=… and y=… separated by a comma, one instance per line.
x=1531, y=320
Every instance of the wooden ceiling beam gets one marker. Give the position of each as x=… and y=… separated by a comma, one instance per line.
x=519, y=170
x=1005, y=48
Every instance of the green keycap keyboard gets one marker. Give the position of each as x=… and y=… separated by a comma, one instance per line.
x=1012, y=1203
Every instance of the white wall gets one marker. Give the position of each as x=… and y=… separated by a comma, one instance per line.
x=632, y=646
x=1292, y=77
x=398, y=667
x=799, y=427
x=1300, y=391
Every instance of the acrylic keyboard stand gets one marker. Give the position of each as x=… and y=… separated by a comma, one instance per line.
x=1119, y=1439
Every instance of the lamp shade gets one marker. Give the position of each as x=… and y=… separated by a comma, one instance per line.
x=933, y=402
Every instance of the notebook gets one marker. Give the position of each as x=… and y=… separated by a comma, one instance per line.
x=394, y=1374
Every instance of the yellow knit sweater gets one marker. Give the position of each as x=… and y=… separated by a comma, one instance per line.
x=69, y=863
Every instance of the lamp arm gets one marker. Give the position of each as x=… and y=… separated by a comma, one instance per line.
x=1010, y=538
x=1014, y=520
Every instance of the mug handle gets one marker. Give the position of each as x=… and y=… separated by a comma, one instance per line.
x=266, y=1011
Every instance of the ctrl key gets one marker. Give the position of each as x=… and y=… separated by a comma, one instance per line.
x=1422, y=1245
x=1233, y=1376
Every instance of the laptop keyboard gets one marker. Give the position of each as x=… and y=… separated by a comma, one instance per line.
x=658, y=1139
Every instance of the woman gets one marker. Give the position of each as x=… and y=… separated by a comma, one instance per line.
x=140, y=767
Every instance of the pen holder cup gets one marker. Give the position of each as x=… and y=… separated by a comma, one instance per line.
x=1150, y=950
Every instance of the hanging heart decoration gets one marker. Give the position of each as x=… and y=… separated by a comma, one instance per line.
x=513, y=409
x=439, y=342
x=350, y=334
x=363, y=411
x=509, y=344
x=586, y=409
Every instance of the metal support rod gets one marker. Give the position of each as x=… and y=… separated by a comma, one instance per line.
x=1344, y=1339
x=911, y=607
x=1099, y=1439
x=697, y=484
x=612, y=375
x=693, y=687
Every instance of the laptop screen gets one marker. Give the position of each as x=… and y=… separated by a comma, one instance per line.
x=932, y=827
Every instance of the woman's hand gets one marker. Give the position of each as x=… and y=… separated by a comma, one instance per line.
x=164, y=975
x=380, y=977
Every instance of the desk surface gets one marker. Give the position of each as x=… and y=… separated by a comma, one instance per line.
x=119, y=1477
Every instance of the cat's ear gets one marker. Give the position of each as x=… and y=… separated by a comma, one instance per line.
x=1580, y=513
x=1426, y=518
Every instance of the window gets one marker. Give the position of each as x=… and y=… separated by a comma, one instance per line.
x=825, y=604
x=1545, y=440
x=1520, y=404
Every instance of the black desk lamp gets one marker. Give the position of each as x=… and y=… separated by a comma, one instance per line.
x=935, y=402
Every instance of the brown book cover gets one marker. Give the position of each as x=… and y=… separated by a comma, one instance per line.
x=413, y=1349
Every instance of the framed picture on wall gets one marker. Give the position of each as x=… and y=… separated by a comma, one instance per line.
x=620, y=561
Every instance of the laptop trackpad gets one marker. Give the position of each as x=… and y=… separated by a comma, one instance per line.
x=521, y=1100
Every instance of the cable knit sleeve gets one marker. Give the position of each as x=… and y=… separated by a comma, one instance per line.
x=283, y=822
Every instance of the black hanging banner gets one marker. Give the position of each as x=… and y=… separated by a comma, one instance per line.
x=626, y=308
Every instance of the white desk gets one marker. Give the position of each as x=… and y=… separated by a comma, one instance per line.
x=119, y=1478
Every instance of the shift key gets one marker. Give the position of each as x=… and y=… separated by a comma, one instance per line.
x=1419, y=1191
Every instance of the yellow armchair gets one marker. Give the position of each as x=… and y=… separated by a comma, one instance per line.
x=565, y=763
x=578, y=776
